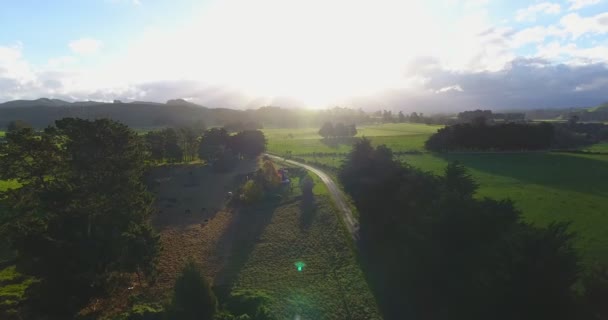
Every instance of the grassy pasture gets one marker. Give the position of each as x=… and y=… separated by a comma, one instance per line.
x=331, y=285
x=599, y=147
x=304, y=141
x=545, y=186
x=255, y=246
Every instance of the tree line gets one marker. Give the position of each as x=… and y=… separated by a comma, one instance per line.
x=503, y=136
x=512, y=136
x=216, y=145
x=79, y=222
x=432, y=250
x=81, y=216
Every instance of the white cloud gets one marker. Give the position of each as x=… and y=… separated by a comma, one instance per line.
x=576, y=26
x=536, y=34
x=85, y=46
x=578, y=4
x=13, y=65
x=573, y=54
x=530, y=13
x=454, y=88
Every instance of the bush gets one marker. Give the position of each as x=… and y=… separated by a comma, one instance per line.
x=193, y=298
x=143, y=312
x=252, y=192
x=251, y=304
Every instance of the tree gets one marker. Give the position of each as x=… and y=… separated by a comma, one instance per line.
x=459, y=181
x=193, y=298
x=437, y=252
x=249, y=144
x=173, y=151
x=156, y=145
x=82, y=212
x=340, y=130
x=213, y=144
x=327, y=130
x=306, y=185
x=268, y=175
x=164, y=145
x=352, y=130
x=401, y=117
x=414, y=117
x=188, y=142
x=16, y=125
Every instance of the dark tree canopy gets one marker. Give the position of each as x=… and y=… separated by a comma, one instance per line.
x=213, y=145
x=249, y=144
x=82, y=211
x=433, y=251
x=505, y=136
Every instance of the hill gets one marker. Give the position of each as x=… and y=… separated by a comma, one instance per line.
x=599, y=113
x=178, y=112
x=43, y=112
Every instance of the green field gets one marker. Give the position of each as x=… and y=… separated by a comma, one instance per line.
x=599, y=147
x=307, y=141
x=2, y=133
x=331, y=284
x=545, y=186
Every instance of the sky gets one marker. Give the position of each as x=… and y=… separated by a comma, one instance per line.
x=442, y=55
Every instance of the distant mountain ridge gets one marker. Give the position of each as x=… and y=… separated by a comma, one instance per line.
x=46, y=102
x=43, y=112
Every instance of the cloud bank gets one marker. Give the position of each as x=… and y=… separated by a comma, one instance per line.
x=368, y=54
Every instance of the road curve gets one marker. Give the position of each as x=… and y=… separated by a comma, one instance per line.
x=335, y=193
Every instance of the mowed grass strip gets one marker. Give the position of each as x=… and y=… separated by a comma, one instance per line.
x=330, y=286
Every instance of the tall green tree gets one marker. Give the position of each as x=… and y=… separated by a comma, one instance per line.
x=327, y=130
x=437, y=252
x=82, y=212
x=249, y=143
x=214, y=143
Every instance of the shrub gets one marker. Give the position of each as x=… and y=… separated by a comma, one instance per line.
x=251, y=304
x=193, y=298
x=252, y=192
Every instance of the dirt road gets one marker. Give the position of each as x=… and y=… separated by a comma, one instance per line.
x=335, y=193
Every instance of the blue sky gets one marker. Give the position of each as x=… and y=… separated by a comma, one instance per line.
x=314, y=53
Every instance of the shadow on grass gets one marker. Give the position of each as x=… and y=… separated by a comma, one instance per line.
x=392, y=304
x=580, y=173
x=239, y=240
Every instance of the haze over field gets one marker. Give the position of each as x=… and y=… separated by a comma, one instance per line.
x=442, y=55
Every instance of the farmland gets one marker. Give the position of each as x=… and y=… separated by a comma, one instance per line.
x=255, y=246
x=545, y=186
